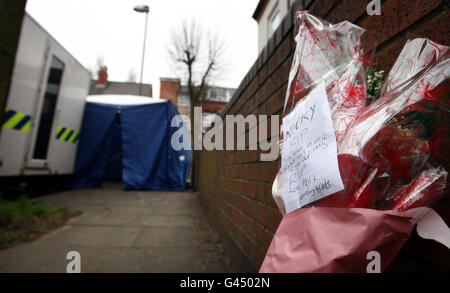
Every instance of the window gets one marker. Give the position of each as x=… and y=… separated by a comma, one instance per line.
x=212, y=95
x=183, y=100
x=48, y=109
x=274, y=20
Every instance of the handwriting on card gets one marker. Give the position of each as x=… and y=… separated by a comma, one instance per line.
x=309, y=156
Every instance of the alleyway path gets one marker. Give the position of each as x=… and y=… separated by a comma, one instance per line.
x=124, y=231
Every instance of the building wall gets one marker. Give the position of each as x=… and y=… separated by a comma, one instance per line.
x=263, y=23
x=169, y=90
x=102, y=86
x=235, y=187
x=208, y=108
x=211, y=106
x=216, y=98
x=120, y=88
x=184, y=110
x=11, y=15
x=212, y=93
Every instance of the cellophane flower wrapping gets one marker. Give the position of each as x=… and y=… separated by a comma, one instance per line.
x=392, y=154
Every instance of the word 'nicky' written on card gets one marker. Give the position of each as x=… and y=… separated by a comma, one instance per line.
x=309, y=163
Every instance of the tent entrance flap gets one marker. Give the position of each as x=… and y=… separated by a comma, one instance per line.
x=94, y=144
x=114, y=166
x=144, y=142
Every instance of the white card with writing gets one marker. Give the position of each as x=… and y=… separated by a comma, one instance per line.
x=309, y=163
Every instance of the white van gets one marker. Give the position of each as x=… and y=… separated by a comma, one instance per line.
x=42, y=119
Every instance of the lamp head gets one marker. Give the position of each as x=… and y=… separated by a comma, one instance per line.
x=142, y=8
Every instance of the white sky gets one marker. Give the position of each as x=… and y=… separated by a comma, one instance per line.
x=112, y=29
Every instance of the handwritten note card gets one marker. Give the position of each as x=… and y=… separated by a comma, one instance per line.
x=309, y=154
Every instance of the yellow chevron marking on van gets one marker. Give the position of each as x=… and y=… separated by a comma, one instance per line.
x=16, y=120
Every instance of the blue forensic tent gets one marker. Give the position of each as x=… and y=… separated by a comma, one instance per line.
x=129, y=138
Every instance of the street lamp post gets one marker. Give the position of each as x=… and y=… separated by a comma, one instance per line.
x=145, y=9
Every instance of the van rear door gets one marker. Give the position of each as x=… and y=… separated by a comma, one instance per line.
x=47, y=110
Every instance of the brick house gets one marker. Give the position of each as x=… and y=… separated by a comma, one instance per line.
x=102, y=86
x=215, y=100
x=269, y=14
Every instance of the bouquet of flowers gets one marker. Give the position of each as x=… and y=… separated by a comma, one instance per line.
x=392, y=154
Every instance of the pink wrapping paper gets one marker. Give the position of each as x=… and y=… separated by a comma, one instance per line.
x=324, y=240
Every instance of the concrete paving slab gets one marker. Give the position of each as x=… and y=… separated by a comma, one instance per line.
x=151, y=260
x=98, y=236
x=124, y=231
x=173, y=260
x=167, y=221
x=187, y=207
x=46, y=256
x=166, y=237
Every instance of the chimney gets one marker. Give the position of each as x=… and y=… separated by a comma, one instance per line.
x=169, y=88
x=102, y=76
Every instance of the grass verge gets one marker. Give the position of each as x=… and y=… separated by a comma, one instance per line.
x=25, y=219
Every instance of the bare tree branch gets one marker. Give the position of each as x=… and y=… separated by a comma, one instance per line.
x=201, y=56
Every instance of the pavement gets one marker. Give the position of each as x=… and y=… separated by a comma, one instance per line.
x=124, y=231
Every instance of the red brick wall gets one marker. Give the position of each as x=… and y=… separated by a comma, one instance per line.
x=211, y=106
x=169, y=90
x=102, y=75
x=235, y=187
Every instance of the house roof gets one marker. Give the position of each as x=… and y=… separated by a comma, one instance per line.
x=259, y=9
x=122, y=99
x=170, y=79
x=120, y=88
x=184, y=88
